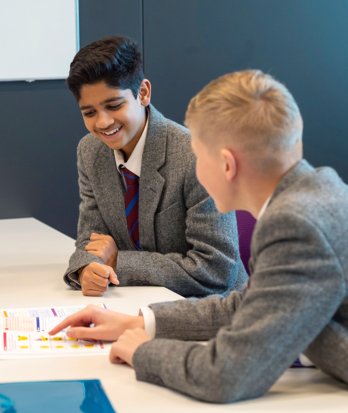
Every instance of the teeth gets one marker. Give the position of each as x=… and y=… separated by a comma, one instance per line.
x=111, y=132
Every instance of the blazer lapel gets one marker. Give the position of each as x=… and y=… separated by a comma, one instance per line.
x=151, y=181
x=302, y=168
x=110, y=186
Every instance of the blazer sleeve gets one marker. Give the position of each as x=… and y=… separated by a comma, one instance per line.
x=212, y=263
x=90, y=220
x=207, y=316
x=296, y=288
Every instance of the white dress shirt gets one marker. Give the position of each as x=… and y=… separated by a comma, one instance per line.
x=134, y=162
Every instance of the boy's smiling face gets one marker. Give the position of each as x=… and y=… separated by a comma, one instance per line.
x=113, y=115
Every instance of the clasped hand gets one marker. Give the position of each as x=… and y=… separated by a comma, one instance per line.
x=94, y=278
x=104, y=247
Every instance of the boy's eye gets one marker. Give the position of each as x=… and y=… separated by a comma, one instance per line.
x=88, y=114
x=114, y=107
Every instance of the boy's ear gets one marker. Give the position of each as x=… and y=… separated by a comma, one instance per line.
x=145, y=92
x=229, y=164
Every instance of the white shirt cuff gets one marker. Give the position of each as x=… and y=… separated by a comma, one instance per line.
x=305, y=361
x=149, y=321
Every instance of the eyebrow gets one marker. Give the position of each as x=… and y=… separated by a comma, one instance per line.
x=115, y=99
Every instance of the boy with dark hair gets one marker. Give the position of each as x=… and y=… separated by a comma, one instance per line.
x=143, y=215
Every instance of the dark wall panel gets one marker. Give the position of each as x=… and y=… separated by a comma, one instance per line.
x=99, y=18
x=301, y=42
x=39, y=131
x=185, y=44
x=40, y=126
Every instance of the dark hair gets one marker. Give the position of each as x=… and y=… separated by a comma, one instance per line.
x=115, y=60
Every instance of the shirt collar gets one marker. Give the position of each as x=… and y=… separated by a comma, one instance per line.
x=263, y=208
x=133, y=163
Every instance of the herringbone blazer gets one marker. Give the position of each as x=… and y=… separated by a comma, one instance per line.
x=297, y=302
x=187, y=246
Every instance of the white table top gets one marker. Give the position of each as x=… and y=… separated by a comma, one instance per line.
x=33, y=258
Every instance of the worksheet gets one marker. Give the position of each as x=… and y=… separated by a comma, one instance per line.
x=24, y=333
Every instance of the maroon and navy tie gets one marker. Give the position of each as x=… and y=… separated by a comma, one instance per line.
x=131, y=202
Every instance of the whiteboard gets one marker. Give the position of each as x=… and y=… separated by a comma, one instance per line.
x=38, y=38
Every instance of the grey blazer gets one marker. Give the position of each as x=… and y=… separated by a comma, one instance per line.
x=187, y=245
x=297, y=302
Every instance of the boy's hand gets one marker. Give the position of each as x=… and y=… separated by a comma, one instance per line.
x=104, y=247
x=123, y=349
x=94, y=279
x=96, y=323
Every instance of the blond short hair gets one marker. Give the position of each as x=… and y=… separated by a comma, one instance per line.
x=249, y=108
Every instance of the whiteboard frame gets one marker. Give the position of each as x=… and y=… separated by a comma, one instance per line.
x=47, y=46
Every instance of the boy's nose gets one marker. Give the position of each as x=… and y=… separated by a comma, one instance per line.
x=104, y=121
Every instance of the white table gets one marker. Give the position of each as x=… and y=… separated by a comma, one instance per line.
x=33, y=258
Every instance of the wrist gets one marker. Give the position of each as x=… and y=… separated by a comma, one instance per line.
x=138, y=322
x=79, y=274
x=112, y=262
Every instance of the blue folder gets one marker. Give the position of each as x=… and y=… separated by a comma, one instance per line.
x=70, y=396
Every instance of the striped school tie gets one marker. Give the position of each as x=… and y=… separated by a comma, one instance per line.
x=131, y=202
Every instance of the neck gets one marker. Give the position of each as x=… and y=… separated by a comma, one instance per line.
x=254, y=201
x=129, y=148
x=261, y=186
